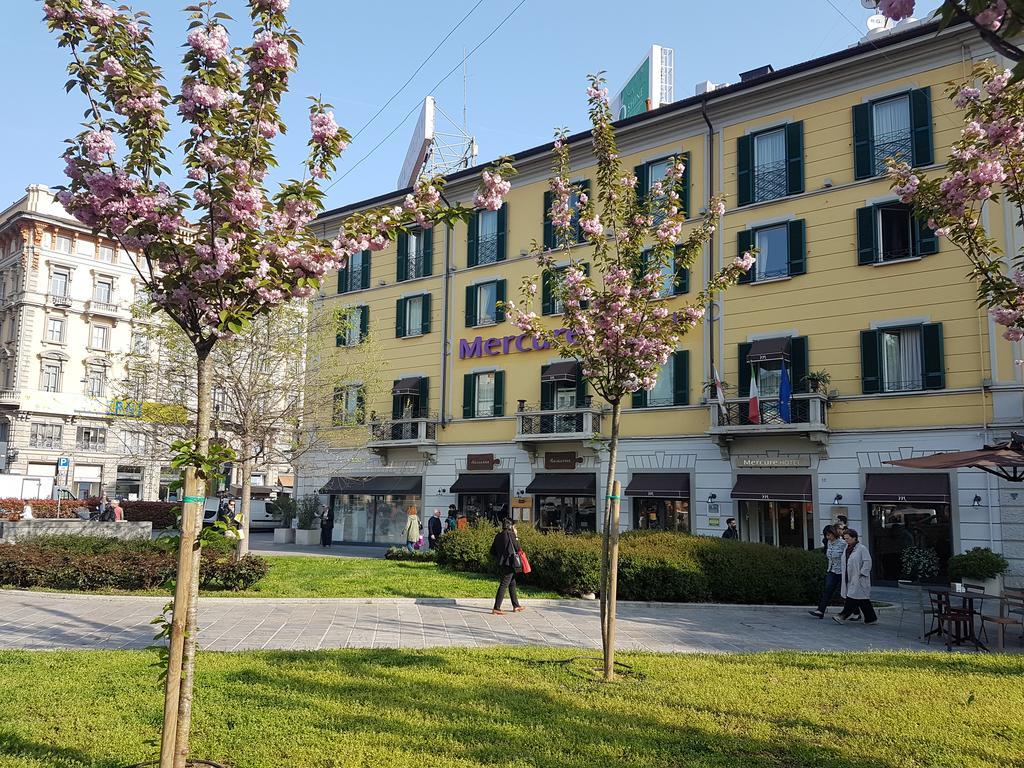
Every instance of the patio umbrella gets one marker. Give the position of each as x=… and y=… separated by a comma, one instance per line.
x=1005, y=460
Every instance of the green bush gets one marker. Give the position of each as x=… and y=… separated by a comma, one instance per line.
x=978, y=563
x=655, y=566
x=401, y=553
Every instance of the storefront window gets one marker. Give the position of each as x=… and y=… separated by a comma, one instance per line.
x=661, y=515
x=780, y=523
x=572, y=514
x=129, y=483
x=492, y=507
x=895, y=527
x=368, y=519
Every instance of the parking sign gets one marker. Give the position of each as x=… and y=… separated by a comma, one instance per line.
x=64, y=463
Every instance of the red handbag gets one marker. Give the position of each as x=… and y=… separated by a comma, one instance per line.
x=525, y=562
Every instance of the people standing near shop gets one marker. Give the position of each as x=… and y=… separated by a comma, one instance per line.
x=412, y=529
x=856, y=580
x=462, y=522
x=731, y=531
x=834, y=549
x=452, y=521
x=505, y=551
x=434, y=529
x=841, y=525
x=118, y=511
x=326, y=526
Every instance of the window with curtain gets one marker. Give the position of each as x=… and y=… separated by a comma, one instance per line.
x=106, y=254
x=484, y=394
x=59, y=282
x=901, y=360
x=663, y=392
x=773, y=259
x=46, y=435
x=414, y=316
x=656, y=171
x=91, y=439
x=100, y=337
x=355, y=271
x=668, y=279
x=55, y=329
x=486, y=303
x=894, y=232
x=95, y=381
x=891, y=130
x=769, y=378
x=347, y=401
x=103, y=291
x=64, y=244
x=51, y=377
x=770, y=165
x=85, y=248
x=486, y=237
x=414, y=257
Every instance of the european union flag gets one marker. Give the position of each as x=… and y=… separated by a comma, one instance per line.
x=785, y=395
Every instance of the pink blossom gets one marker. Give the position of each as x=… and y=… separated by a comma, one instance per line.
x=1014, y=334
x=988, y=172
x=322, y=126
x=966, y=95
x=908, y=188
x=896, y=10
x=592, y=226
x=992, y=17
x=494, y=190
x=99, y=146
x=212, y=42
x=112, y=68
x=270, y=52
x=745, y=262
x=1005, y=316
x=272, y=6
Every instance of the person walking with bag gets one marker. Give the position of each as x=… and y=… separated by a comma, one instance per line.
x=856, y=582
x=505, y=551
x=834, y=549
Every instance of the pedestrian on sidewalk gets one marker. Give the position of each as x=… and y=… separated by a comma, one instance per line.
x=413, y=528
x=834, y=549
x=505, y=551
x=856, y=576
x=434, y=529
x=731, y=531
x=451, y=522
x=326, y=526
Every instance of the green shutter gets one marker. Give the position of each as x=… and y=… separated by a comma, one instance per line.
x=867, y=236
x=870, y=362
x=584, y=188
x=396, y=402
x=428, y=251
x=425, y=322
x=581, y=386
x=684, y=185
x=681, y=377
x=640, y=398
x=797, y=248
x=339, y=339
x=744, y=242
x=585, y=267
x=470, y=306
x=547, y=304
x=361, y=406
x=423, y=401
x=403, y=257
x=744, y=170
x=682, y=278
x=794, y=158
x=863, y=153
x=502, y=238
x=798, y=363
x=400, y=319
x=500, y=294
x=742, y=352
x=934, y=367
x=921, y=120
x=364, y=322
x=472, y=226
x=641, y=267
x=499, y=393
x=547, y=392
x=469, y=396
x=926, y=242
x=549, y=230
x=366, y=270
x=641, y=183
x=343, y=279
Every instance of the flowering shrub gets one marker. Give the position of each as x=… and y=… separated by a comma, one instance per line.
x=919, y=563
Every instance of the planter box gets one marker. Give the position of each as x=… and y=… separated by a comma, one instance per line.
x=307, y=538
x=45, y=526
x=992, y=586
x=284, y=535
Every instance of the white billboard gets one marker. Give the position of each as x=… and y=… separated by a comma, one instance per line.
x=422, y=137
x=651, y=85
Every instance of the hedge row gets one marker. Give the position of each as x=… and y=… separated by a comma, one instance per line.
x=162, y=514
x=92, y=563
x=422, y=555
x=662, y=566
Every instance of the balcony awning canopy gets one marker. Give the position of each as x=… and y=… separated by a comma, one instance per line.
x=1005, y=460
x=481, y=482
x=410, y=385
x=772, y=488
x=563, y=484
x=379, y=485
x=566, y=370
x=926, y=487
x=767, y=350
x=662, y=485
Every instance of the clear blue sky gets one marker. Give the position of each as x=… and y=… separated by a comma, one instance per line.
x=528, y=78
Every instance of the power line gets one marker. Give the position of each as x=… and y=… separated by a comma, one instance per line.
x=434, y=88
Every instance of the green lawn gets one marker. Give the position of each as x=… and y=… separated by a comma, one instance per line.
x=522, y=708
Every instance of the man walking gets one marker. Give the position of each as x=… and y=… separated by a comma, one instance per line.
x=434, y=529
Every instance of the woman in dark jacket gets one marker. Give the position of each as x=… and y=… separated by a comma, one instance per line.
x=326, y=526
x=505, y=550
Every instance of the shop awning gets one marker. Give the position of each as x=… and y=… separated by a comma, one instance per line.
x=764, y=350
x=662, y=485
x=481, y=482
x=772, y=488
x=565, y=370
x=286, y=481
x=255, y=490
x=928, y=487
x=380, y=485
x=563, y=483
x=410, y=385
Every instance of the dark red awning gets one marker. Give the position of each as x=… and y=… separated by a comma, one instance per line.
x=772, y=488
x=905, y=487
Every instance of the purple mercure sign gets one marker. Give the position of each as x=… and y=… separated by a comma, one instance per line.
x=504, y=345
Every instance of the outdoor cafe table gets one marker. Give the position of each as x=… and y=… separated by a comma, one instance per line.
x=968, y=599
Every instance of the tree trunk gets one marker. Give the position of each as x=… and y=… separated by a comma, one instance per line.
x=174, y=745
x=610, y=552
x=245, y=504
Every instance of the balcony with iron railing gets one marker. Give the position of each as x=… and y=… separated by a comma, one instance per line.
x=60, y=300
x=770, y=181
x=487, y=249
x=97, y=307
x=808, y=414
x=419, y=432
x=537, y=424
x=896, y=144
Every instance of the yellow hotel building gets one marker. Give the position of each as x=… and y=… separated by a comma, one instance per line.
x=848, y=282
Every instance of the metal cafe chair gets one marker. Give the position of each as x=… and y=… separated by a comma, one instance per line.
x=912, y=600
x=955, y=624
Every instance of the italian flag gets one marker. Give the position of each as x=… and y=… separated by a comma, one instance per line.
x=754, y=414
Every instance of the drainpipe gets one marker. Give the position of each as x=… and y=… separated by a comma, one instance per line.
x=708, y=155
x=449, y=230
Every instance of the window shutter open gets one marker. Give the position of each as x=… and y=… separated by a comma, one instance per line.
x=339, y=339
x=797, y=248
x=682, y=275
x=794, y=158
x=681, y=377
x=366, y=270
x=863, y=159
x=547, y=392
x=469, y=396
x=396, y=403
x=502, y=237
x=403, y=257
x=423, y=402
x=400, y=319
x=580, y=235
x=921, y=121
x=867, y=237
x=684, y=185
x=742, y=350
x=744, y=242
x=585, y=267
x=343, y=279
x=499, y=393
x=425, y=321
x=640, y=398
x=428, y=251
x=361, y=405
x=926, y=242
x=641, y=183
x=470, y=306
x=871, y=362
x=798, y=362
x=581, y=386
x=364, y=322
x=500, y=294
x=744, y=170
x=549, y=230
x=933, y=363
x=471, y=230
x=547, y=304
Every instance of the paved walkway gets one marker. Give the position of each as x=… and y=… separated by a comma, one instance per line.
x=262, y=543
x=41, y=620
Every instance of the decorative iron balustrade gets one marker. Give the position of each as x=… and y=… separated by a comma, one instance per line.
x=355, y=277
x=487, y=249
x=909, y=385
x=60, y=300
x=535, y=420
x=897, y=144
x=770, y=181
x=806, y=410
x=422, y=430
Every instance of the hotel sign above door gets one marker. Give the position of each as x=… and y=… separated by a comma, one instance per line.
x=504, y=345
x=771, y=462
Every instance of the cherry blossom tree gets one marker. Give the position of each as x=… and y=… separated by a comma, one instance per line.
x=986, y=165
x=616, y=323
x=221, y=251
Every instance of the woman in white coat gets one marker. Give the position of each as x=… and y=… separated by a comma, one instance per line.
x=856, y=585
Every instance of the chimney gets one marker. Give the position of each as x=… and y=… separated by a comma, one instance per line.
x=753, y=74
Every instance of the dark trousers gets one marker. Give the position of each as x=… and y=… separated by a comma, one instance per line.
x=508, y=581
x=863, y=607
x=832, y=584
x=325, y=536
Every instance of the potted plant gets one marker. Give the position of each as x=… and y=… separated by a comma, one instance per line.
x=818, y=381
x=919, y=563
x=980, y=566
x=308, y=512
x=283, y=508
